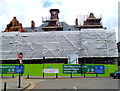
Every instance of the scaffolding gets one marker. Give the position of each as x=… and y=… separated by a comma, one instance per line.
x=59, y=44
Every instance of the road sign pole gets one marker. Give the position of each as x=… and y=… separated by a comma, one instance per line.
x=19, y=82
x=20, y=55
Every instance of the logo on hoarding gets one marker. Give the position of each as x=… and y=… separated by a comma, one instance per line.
x=73, y=59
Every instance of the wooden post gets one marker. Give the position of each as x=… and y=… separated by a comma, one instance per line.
x=43, y=74
x=96, y=74
x=71, y=75
x=13, y=75
x=28, y=76
x=56, y=75
x=84, y=74
x=2, y=75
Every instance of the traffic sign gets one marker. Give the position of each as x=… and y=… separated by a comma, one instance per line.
x=20, y=55
x=20, y=69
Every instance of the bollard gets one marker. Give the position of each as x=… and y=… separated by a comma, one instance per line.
x=56, y=75
x=43, y=74
x=84, y=74
x=13, y=75
x=71, y=75
x=5, y=86
x=19, y=81
x=2, y=75
x=28, y=76
x=96, y=74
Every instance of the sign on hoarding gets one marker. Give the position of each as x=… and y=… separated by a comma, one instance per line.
x=51, y=70
x=99, y=69
x=93, y=69
x=87, y=69
x=73, y=59
x=74, y=69
x=6, y=69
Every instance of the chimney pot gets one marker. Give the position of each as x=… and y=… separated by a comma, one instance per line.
x=76, y=21
x=32, y=25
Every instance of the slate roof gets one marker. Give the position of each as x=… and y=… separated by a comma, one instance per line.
x=66, y=27
x=28, y=29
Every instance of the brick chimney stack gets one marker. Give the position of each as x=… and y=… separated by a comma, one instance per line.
x=14, y=26
x=32, y=25
x=14, y=22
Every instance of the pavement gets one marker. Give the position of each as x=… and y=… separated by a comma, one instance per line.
x=12, y=83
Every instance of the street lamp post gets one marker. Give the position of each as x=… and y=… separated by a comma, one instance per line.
x=20, y=55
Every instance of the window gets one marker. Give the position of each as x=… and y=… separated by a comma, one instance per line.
x=54, y=12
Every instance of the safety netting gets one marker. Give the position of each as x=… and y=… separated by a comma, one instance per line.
x=59, y=44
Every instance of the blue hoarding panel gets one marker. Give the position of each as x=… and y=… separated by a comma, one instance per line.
x=99, y=69
x=20, y=68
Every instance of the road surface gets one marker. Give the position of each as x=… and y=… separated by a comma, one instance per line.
x=78, y=83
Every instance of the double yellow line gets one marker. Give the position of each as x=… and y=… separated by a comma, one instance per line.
x=30, y=86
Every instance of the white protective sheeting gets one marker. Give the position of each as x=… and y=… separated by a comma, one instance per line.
x=59, y=44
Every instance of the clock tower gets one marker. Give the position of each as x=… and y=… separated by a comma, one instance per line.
x=53, y=24
x=54, y=13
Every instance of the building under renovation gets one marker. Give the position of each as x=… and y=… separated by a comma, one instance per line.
x=55, y=40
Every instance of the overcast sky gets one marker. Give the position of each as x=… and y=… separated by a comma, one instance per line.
x=27, y=10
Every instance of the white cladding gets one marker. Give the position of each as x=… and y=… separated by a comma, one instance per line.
x=59, y=44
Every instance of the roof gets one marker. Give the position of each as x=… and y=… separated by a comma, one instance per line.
x=28, y=29
x=66, y=27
